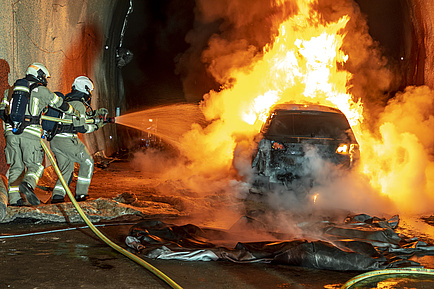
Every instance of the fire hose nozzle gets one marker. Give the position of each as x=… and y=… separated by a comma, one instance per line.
x=109, y=120
x=97, y=120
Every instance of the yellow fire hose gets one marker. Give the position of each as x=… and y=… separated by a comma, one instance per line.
x=133, y=257
x=158, y=273
x=372, y=274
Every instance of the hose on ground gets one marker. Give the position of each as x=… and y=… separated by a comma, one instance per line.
x=377, y=273
x=133, y=257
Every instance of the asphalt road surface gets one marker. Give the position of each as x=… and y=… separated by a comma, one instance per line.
x=60, y=255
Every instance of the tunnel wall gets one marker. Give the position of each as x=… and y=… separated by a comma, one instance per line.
x=69, y=38
x=422, y=18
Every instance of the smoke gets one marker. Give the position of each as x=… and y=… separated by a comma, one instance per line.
x=371, y=76
x=245, y=28
x=227, y=35
x=153, y=161
x=395, y=138
x=330, y=188
x=411, y=111
x=399, y=158
x=207, y=199
x=213, y=176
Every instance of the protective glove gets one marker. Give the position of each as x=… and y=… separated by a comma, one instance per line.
x=99, y=123
x=101, y=112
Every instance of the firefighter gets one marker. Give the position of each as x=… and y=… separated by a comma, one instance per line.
x=68, y=148
x=23, y=149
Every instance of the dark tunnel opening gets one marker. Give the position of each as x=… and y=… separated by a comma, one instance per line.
x=387, y=21
x=155, y=34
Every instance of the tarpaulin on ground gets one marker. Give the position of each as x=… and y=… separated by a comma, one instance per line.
x=360, y=243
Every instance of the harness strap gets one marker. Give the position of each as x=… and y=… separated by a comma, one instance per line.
x=29, y=119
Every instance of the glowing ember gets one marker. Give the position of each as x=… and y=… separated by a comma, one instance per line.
x=342, y=149
x=315, y=197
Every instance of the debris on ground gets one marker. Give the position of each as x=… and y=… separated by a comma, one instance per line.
x=360, y=243
x=96, y=210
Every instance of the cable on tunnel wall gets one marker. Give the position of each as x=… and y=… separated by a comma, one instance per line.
x=133, y=257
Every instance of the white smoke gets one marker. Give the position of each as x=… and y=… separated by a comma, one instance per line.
x=396, y=170
x=399, y=159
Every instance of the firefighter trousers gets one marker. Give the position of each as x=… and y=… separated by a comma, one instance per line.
x=25, y=156
x=68, y=151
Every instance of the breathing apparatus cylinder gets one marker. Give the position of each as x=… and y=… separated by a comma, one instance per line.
x=20, y=100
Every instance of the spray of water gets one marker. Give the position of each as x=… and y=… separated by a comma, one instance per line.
x=166, y=122
x=398, y=136
x=203, y=196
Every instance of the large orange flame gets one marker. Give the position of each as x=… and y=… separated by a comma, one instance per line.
x=303, y=64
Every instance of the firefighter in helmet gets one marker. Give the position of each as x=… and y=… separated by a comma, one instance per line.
x=23, y=149
x=68, y=148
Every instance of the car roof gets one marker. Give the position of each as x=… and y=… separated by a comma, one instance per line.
x=297, y=108
x=304, y=107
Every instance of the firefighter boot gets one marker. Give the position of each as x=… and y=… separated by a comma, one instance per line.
x=27, y=190
x=56, y=199
x=19, y=203
x=81, y=198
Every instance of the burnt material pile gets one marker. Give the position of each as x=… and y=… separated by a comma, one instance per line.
x=360, y=243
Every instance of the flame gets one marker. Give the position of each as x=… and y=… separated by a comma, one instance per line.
x=315, y=197
x=398, y=161
x=342, y=149
x=303, y=64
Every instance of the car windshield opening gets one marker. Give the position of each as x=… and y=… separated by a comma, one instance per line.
x=317, y=125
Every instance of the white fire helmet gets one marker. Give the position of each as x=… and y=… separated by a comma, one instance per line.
x=83, y=84
x=39, y=72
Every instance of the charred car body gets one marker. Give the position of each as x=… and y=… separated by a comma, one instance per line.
x=293, y=138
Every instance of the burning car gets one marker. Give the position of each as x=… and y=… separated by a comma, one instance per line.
x=295, y=140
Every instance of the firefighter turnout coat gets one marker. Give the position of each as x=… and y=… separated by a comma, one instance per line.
x=69, y=149
x=23, y=151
